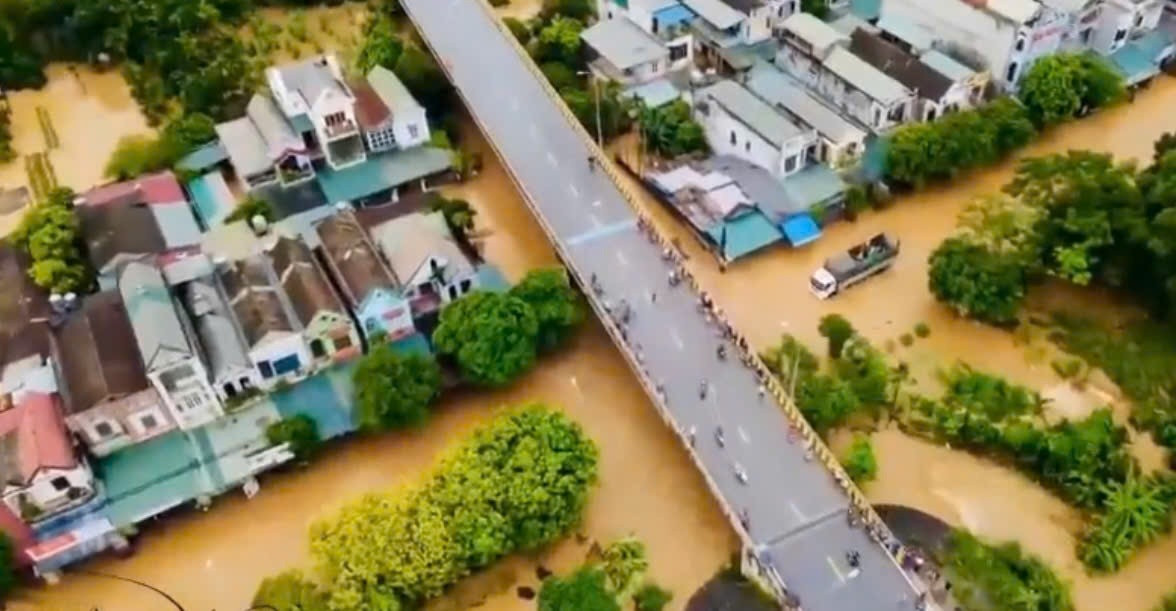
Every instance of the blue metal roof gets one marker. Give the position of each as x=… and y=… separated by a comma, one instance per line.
x=381, y=172
x=800, y=230
x=740, y=236
x=203, y=158
x=866, y=9
x=673, y=15
x=815, y=185
x=1134, y=64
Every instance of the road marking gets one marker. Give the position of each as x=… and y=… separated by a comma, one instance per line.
x=796, y=511
x=600, y=231
x=621, y=258
x=574, y=190
x=743, y=435
x=836, y=571
x=596, y=204
x=677, y=339
x=552, y=160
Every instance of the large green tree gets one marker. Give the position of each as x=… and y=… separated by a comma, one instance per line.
x=559, y=41
x=424, y=78
x=394, y=391
x=670, y=130
x=1058, y=86
x=574, y=9
x=492, y=337
x=290, y=591
x=381, y=44
x=826, y=402
x=49, y=234
x=977, y=282
x=583, y=590
x=558, y=307
x=836, y=330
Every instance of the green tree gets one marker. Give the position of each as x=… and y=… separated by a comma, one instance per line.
x=134, y=155
x=394, y=391
x=573, y=9
x=837, y=330
x=8, y=576
x=624, y=564
x=250, y=207
x=816, y=8
x=670, y=130
x=559, y=41
x=558, y=307
x=521, y=31
x=865, y=370
x=562, y=77
x=615, y=109
x=424, y=78
x=381, y=44
x=1003, y=225
x=826, y=402
x=1009, y=122
x=1135, y=512
x=583, y=590
x=859, y=460
x=976, y=282
x=49, y=234
x=652, y=597
x=1168, y=604
x=290, y=591
x=492, y=337
x=20, y=67
x=1058, y=86
x=1102, y=83
x=459, y=214
x=788, y=356
x=1003, y=577
x=300, y=431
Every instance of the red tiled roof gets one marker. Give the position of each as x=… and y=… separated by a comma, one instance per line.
x=370, y=110
x=41, y=438
x=159, y=188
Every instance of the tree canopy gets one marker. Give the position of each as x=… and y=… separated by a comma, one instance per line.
x=583, y=590
x=50, y=234
x=859, y=460
x=492, y=337
x=300, y=431
x=1058, y=86
x=558, y=307
x=559, y=41
x=976, y=282
x=670, y=130
x=516, y=484
x=290, y=591
x=1003, y=577
x=381, y=44
x=394, y=391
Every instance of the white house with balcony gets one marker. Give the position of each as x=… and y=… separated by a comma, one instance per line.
x=1121, y=20
x=666, y=20
x=313, y=93
x=817, y=55
x=740, y=124
x=42, y=475
x=726, y=29
x=391, y=118
x=167, y=346
x=621, y=51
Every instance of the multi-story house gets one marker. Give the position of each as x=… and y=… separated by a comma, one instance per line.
x=230, y=370
x=390, y=117
x=273, y=337
x=318, y=103
x=621, y=51
x=816, y=54
x=1081, y=17
x=327, y=328
x=935, y=93
x=840, y=140
x=167, y=346
x=667, y=20
x=25, y=312
x=368, y=287
x=740, y=124
x=41, y=473
x=264, y=149
x=1004, y=37
x=422, y=252
x=109, y=403
x=1121, y=20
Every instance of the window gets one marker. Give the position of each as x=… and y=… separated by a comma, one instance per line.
x=655, y=25
x=413, y=130
x=172, y=378
x=465, y=286
x=877, y=117
x=747, y=145
x=1011, y=74
x=342, y=342
x=678, y=52
x=1138, y=20
x=1020, y=46
x=811, y=153
x=148, y=422
x=267, y=370
x=103, y=430
x=733, y=142
x=230, y=390
x=930, y=114
x=1120, y=35
x=245, y=383
x=452, y=292
x=790, y=164
x=317, y=349
x=780, y=11
x=59, y=483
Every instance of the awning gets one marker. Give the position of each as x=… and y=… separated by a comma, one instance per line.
x=800, y=230
x=1134, y=64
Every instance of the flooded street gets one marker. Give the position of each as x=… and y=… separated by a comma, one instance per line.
x=648, y=487
x=768, y=295
x=89, y=111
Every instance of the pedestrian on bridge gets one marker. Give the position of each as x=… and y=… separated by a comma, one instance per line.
x=702, y=388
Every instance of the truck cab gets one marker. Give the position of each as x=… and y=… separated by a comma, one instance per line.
x=822, y=283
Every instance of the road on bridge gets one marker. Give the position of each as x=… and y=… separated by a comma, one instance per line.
x=796, y=514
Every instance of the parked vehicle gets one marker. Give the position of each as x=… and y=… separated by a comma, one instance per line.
x=854, y=265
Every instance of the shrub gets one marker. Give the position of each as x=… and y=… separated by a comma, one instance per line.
x=837, y=330
x=652, y=597
x=922, y=330
x=583, y=590
x=493, y=337
x=394, y=391
x=906, y=339
x=976, y=282
x=859, y=460
x=856, y=201
x=300, y=431
x=290, y=591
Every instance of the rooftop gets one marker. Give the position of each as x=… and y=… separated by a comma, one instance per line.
x=305, y=285
x=819, y=35
x=33, y=437
x=753, y=112
x=382, y=172
x=158, y=188
x=907, y=69
x=947, y=66
x=311, y=78
x=115, y=230
x=21, y=301
x=914, y=35
x=391, y=91
x=157, y=327
x=1017, y=11
x=255, y=141
x=354, y=261
x=623, y=44
x=222, y=343
x=97, y=353
x=779, y=89
x=864, y=77
x=716, y=12
x=744, y=6
x=370, y=110
x=408, y=242
x=254, y=298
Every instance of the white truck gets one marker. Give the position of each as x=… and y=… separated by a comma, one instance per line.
x=854, y=265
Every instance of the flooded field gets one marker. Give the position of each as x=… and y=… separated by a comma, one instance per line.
x=304, y=32
x=88, y=111
x=648, y=487
x=768, y=295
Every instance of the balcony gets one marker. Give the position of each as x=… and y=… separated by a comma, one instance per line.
x=341, y=129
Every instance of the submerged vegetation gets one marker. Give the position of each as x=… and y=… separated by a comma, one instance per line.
x=1002, y=577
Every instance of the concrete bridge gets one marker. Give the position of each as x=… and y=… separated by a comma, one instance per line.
x=783, y=492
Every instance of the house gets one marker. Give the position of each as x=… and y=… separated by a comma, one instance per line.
x=263, y=148
x=840, y=141
x=167, y=346
x=738, y=123
x=25, y=313
x=327, y=327
x=816, y=54
x=422, y=253
x=936, y=94
x=388, y=114
x=42, y=474
x=368, y=287
x=621, y=51
x=1004, y=37
x=666, y=20
x=316, y=101
x=272, y=336
x=109, y=403
x=725, y=28
x=1080, y=17
x=127, y=220
x=1121, y=20
x=231, y=372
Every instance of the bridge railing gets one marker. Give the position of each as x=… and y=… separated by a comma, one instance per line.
x=797, y=421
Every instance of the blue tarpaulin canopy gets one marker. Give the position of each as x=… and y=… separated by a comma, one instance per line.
x=800, y=229
x=673, y=15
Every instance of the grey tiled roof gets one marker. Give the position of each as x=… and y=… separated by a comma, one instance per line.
x=310, y=78
x=623, y=44
x=752, y=111
x=902, y=66
x=159, y=333
x=223, y=345
x=779, y=89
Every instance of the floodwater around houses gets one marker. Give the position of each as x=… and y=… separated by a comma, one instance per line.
x=767, y=295
x=648, y=487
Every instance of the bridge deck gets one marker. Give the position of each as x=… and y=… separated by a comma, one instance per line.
x=796, y=509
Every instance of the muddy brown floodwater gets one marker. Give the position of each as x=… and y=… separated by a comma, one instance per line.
x=767, y=295
x=648, y=487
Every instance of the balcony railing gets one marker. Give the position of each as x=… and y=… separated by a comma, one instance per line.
x=341, y=130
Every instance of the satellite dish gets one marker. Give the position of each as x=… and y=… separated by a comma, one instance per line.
x=259, y=223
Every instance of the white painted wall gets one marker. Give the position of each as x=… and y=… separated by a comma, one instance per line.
x=727, y=135
x=42, y=492
x=842, y=95
x=193, y=403
x=276, y=346
x=410, y=127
